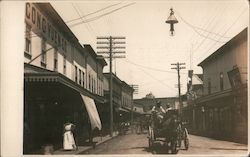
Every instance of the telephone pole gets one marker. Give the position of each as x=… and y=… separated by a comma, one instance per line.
x=110, y=47
x=135, y=87
x=178, y=68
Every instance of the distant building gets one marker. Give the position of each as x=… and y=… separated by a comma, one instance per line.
x=148, y=103
x=59, y=73
x=222, y=110
x=194, y=86
x=194, y=91
x=122, y=97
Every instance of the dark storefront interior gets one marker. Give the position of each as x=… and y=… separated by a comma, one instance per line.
x=49, y=104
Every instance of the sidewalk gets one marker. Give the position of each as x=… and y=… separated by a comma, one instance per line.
x=96, y=140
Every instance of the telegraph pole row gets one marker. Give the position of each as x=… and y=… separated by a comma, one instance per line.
x=135, y=87
x=110, y=46
x=178, y=68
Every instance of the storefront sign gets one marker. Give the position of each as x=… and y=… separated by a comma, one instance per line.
x=41, y=25
x=235, y=78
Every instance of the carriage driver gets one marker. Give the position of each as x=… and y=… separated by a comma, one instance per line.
x=160, y=111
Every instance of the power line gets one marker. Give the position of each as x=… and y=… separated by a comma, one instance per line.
x=154, y=69
x=206, y=26
x=79, y=14
x=224, y=32
x=158, y=80
x=97, y=17
x=204, y=39
x=93, y=12
x=194, y=28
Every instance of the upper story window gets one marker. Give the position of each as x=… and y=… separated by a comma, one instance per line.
x=80, y=77
x=64, y=64
x=43, y=55
x=209, y=86
x=83, y=79
x=55, y=60
x=221, y=81
x=89, y=82
x=92, y=84
x=75, y=73
x=28, y=41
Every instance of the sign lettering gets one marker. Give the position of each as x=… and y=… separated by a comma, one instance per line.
x=40, y=24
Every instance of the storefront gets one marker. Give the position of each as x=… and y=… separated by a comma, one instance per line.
x=51, y=100
x=222, y=116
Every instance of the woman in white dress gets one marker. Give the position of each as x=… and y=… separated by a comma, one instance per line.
x=68, y=137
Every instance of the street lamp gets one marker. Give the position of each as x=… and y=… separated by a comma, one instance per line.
x=172, y=20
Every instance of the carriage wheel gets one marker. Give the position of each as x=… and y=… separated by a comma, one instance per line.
x=186, y=140
x=173, y=147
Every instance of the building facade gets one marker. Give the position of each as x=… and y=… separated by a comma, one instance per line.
x=122, y=98
x=59, y=73
x=148, y=103
x=221, y=111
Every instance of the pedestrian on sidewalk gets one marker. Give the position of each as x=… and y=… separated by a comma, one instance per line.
x=68, y=137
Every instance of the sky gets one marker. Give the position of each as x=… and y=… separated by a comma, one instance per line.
x=203, y=26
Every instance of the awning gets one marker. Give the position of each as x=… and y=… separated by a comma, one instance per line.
x=123, y=109
x=92, y=112
x=33, y=74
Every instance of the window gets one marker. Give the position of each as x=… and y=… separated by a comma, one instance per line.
x=43, y=55
x=80, y=77
x=221, y=81
x=94, y=86
x=55, y=60
x=64, y=64
x=89, y=83
x=83, y=79
x=75, y=73
x=209, y=86
x=28, y=42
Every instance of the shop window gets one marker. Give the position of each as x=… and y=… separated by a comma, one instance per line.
x=221, y=81
x=27, y=51
x=55, y=60
x=43, y=55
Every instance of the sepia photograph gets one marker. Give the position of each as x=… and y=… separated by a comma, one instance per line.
x=127, y=77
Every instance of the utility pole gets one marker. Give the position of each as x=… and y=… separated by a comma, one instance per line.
x=178, y=68
x=135, y=87
x=110, y=50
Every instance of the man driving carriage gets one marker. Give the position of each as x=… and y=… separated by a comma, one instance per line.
x=159, y=110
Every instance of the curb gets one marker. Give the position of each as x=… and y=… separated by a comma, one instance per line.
x=97, y=144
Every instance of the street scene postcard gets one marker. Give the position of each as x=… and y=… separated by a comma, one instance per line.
x=125, y=77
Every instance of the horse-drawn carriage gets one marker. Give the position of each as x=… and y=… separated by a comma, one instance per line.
x=167, y=130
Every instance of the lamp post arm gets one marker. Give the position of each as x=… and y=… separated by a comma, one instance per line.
x=39, y=55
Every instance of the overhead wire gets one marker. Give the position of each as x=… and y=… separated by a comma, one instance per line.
x=99, y=16
x=94, y=12
x=209, y=23
x=150, y=68
x=157, y=79
x=207, y=37
x=81, y=17
x=205, y=27
x=225, y=32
